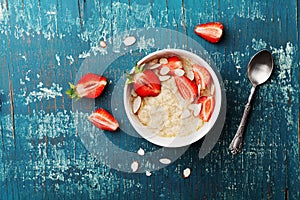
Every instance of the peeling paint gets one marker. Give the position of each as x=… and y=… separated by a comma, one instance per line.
x=42, y=93
x=258, y=45
x=71, y=59
x=254, y=12
x=54, y=158
x=57, y=59
x=42, y=132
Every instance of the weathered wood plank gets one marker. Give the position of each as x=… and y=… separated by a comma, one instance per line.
x=43, y=46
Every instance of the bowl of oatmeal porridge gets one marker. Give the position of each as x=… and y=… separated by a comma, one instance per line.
x=172, y=97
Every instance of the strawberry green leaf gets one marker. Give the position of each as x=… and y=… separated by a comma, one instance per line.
x=72, y=92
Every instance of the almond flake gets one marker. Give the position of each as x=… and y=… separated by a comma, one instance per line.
x=102, y=44
x=199, y=89
x=163, y=61
x=185, y=114
x=165, y=161
x=130, y=40
x=179, y=72
x=186, y=173
x=212, y=90
x=197, y=109
x=155, y=66
x=190, y=75
x=164, y=78
x=136, y=104
x=141, y=152
x=148, y=173
x=191, y=106
x=134, y=166
x=164, y=70
x=133, y=93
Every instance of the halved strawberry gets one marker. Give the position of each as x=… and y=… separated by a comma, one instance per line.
x=89, y=86
x=186, y=87
x=103, y=120
x=202, y=76
x=211, y=31
x=145, y=82
x=207, y=108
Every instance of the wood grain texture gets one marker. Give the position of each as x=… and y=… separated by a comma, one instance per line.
x=44, y=44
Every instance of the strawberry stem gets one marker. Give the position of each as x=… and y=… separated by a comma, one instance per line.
x=72, y=93
x=137, y=69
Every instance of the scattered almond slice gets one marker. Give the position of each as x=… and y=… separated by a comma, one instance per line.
x=179, y=72
x=165, y=161
x=163, y=61
x=141, y=152
x=148, y=173
x=190, y=75
x=186, y=173
x=134, y=166
x=164, y=70
x=155, y=66
x=136, y=104
x=164, y=78
x=103, y=44
x=185, y=114
x=130, y=40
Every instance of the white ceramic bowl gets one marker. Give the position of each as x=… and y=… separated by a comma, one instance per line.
x=178, y=141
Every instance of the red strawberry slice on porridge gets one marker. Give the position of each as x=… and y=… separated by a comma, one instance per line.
x=207, y=108
x=89, y=86
x=145, y=82
x=187, y=88
x=103, y=120
x=202, y=76
x=211, y=31
x=173, y=63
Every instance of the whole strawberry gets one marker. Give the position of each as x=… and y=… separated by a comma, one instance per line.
x=145, y=82
x=89, y=86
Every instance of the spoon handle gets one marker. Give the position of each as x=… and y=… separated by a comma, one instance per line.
x=237, y=142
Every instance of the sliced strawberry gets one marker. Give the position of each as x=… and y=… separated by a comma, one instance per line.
x=202, y=76
x=207, y=108
x=104, y=120
x=89, y=86
x=145, y=82
x=174, y=63
x=173, y=59
x=186, y=87
x=211, y=31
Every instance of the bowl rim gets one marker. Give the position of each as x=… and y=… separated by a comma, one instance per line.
x=178, y=141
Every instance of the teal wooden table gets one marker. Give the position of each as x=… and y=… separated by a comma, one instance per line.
x=43, y=148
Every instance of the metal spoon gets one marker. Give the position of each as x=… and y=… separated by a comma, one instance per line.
x=260, y=68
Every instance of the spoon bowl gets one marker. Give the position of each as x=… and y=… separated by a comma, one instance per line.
x=259, y=71
x=260, y=67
